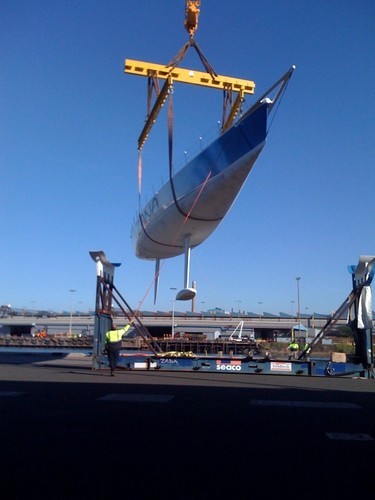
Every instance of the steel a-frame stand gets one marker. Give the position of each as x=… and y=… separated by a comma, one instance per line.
x=106, y=294
x=358, y=307
x=360, y=314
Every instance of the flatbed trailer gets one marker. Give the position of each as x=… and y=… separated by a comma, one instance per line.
x=240, y=365
x=358, y=304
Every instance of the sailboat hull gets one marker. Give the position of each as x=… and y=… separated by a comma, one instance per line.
x=198, y=197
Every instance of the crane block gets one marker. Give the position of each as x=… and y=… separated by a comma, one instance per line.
x=191, y=16
x=184, y=75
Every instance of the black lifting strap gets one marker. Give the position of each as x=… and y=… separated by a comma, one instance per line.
x=172, y=64
x=171, y=178
x=182, y=52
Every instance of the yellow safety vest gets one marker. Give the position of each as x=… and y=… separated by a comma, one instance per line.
x=116, y=335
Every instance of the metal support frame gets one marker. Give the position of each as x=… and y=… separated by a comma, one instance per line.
x=105, y=272
x=360, y=314
x=106, y=294
x=362, y=276
x=239, y=334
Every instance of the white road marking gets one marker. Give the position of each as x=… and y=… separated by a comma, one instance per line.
x=138, y=398
x=343, y=436
x=305, y=404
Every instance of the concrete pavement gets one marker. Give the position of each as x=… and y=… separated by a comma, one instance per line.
x=70, y=432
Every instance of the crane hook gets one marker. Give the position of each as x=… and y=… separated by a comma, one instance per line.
x=191, y=16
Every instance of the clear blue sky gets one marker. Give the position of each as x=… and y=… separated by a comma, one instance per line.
x=70, y=119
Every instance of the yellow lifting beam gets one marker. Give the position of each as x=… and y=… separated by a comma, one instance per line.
x=183, y=75
x=226, y=83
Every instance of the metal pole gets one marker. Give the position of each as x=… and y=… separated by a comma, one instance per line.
x=260, y=311
x=71, y=309
x=173, y=299
x=307, y=323
x=238, y=302
x=299, y=310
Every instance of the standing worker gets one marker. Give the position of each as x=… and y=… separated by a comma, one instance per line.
x=293, y=347
x=113, y=340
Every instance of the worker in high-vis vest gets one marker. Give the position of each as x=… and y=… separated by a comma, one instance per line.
x=293, y=347
x=113, y=340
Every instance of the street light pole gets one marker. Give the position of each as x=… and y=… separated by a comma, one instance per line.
x=299, y=311
x=307, y=323
x=71, y=309
x=238, y=302
x=260, y=312
x=173, y=299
